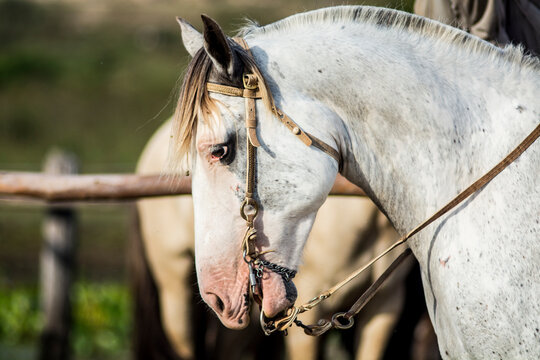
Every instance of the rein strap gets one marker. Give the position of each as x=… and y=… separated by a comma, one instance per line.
x=281, y=324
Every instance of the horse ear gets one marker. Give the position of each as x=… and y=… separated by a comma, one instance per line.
x=217, y=46
x=192, y=39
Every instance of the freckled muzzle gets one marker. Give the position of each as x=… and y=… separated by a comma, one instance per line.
x=225, y=289
x=228, y=294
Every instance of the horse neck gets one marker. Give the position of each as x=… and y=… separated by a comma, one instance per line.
x=418, y=120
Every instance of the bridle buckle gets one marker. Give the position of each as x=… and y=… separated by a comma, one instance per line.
x=250, y=81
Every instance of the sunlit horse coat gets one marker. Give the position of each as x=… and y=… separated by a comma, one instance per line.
x=347, y=233
x=418, y=111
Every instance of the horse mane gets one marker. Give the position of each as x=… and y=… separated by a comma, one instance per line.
x=195, y=104
x=399, y=20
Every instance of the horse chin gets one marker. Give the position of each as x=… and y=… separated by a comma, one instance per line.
x=278, y=294
x=237, y=323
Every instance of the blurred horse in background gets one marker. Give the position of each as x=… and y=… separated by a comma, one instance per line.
x=170, y=323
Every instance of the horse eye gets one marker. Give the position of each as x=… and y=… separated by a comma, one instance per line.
x=219, y=152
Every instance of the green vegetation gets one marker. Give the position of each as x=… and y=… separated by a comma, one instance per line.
x=97, y=78
x=101, y=319
x=19, y=315
x=90, y=90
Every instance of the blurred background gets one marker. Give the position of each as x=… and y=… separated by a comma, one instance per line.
x=96, y=79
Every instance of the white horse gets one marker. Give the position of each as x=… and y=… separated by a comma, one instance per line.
x=167, y=235
x=418, y=111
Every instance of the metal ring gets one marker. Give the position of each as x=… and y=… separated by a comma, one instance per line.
x=266, y=326
x=250, y=81
x=253, y=203
x=338, y=324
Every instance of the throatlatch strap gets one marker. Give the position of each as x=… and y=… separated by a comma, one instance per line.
x=324, y=147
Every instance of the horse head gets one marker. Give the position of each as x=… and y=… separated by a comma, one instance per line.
x=291, y=180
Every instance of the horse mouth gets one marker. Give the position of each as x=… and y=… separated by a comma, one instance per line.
x=257, y=290
x=274, y=294
x=258, y=297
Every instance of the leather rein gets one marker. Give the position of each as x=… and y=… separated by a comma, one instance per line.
x=249, y=210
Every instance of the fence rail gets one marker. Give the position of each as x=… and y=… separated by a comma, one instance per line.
x=58, y=187
x=61, y=188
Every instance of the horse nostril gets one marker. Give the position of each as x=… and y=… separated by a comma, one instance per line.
x=219, y=304
x=215, y=303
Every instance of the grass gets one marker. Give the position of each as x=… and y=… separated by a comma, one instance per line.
x=102, y=320
x=101, y=324
x=101, y=303
x=19, y=316
x=91, y=91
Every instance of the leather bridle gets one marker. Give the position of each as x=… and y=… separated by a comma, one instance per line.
x=250, y=207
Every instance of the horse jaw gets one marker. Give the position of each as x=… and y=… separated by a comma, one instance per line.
x=222, y=273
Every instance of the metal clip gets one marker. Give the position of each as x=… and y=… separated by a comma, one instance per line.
x=252, y=278
x=267, y=327
x=259, y=272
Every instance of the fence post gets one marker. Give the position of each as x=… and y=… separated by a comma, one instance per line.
x=57, y=263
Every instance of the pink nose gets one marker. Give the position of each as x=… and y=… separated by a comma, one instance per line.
x=232, y=313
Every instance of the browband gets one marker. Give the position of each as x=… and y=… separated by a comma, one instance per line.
x=251, y=90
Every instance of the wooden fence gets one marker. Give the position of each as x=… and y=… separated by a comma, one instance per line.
x=60, y=186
